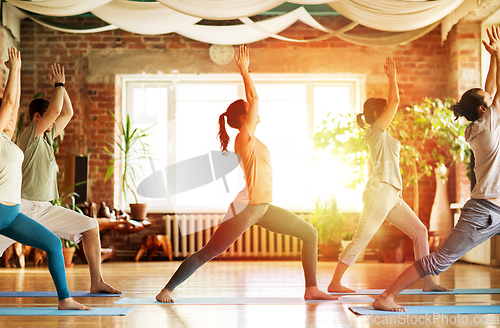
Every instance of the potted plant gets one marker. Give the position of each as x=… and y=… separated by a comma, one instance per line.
x=329, y=222
x=69, y=248
x=67, y=199
x=131, y=146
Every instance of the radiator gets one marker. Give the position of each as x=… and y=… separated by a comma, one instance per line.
x=255, y=243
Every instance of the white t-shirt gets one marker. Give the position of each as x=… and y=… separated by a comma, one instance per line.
x=384, y=153
x=11, y=159
x=483, y=135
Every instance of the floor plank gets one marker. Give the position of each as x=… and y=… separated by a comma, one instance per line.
x=242, y=279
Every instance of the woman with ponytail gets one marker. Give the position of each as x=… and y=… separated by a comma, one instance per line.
x=382, y=196
x=480, y=217
x=252, y=205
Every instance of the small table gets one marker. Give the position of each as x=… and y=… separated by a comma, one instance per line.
x=123, y=226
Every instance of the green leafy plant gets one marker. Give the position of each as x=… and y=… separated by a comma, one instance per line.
x=348, y=236
x=329, y=221
x=132, y=148
x=67, y=199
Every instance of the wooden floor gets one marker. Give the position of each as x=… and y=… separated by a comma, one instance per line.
x=235, y=279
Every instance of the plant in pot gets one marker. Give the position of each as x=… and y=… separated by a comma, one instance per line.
x=128, y=148
x=329, y=222
x=67, y=199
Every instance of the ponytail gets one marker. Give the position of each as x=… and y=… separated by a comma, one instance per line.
x=457, y=110
x=468, y=104
x=361, y=122
x=222, y=135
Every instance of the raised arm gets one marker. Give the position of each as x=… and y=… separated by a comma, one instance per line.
x=11, y=93
x=56, y=102
x=494, y=49
x=243, y=61
x=490, y=84
x=66, y=114
x=393, y=97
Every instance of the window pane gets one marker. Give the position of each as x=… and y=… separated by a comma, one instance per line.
x=328, y=172
x=286, y=128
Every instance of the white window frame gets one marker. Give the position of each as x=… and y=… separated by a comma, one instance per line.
x=355, y=82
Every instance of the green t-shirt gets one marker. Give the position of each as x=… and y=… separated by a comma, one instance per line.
x=39, y=166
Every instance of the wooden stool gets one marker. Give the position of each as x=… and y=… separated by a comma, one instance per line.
x=152, y=244
x=17, y=253
x=39, y=256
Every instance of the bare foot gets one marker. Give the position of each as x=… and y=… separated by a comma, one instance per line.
x=430, y=285
x=336, y=287
x=103, y=287
x=165, y=296
x=71, y=304
x=387, y=304
x=313, y=293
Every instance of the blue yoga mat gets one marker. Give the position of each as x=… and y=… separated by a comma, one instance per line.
x=243, y=300
x=54, y=294
x=410, y=310
x=420, y=292
x=52, y=311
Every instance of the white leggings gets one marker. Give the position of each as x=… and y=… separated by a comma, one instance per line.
x=381, y=203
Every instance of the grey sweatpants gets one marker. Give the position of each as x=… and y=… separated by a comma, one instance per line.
x=479, y=221
x=267, y=216
x=381, y=202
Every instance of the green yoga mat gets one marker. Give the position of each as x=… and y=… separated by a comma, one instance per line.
x=430, y=310
x=420, y=292
x=53, y=311
x=244, y=300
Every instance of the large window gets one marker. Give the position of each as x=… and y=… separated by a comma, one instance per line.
x=184, y=110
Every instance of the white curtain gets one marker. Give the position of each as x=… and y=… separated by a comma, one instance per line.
x=228, y=9
x=395, y=15
x=143, y=17
x=395, y=21
x=59, y=7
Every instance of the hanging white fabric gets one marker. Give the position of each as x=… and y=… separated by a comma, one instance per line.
x=395, y=15
x=143, y=17
x=404, y=19
x=228, y=9
x=59, y=7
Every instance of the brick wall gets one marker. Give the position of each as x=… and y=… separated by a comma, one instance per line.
x=93, y=60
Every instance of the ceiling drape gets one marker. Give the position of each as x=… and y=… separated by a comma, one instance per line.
x=393, y=21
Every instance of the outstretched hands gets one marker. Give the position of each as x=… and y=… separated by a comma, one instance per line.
x=242, y=59
x=14, y=61
x=57, y=75
x=493, y=46
x=390, y=67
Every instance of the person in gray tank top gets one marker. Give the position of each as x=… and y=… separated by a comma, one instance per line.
x=382, y=196
x=14, y=225
x=480, y=216
x=47, y=120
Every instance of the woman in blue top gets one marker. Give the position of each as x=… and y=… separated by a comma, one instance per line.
x=382, y=196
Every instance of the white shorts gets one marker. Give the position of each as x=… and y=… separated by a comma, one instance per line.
x=63, y=222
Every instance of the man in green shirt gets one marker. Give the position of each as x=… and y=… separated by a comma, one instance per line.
x=39, y=186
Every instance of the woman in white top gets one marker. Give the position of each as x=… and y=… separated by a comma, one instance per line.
x=14, y=224
x=480, y=217
x=382, y=196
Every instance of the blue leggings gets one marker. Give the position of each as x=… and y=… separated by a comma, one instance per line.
x=21, y=228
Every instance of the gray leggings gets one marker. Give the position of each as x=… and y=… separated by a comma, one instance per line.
x=479, y=221
x=267, y=216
